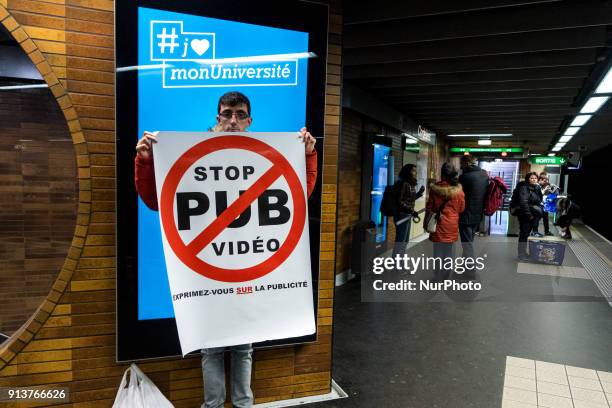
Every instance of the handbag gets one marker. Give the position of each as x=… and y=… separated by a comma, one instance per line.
x=431, y=218
x=536, y=211
x=141, y=392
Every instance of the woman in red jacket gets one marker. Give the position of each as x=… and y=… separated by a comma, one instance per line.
x=447, y=198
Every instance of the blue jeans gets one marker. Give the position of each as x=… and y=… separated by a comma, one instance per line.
x=402, y=233
x=213, y=368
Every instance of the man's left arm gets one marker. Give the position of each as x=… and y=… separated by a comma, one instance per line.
x=311, y=171
x=311, y=160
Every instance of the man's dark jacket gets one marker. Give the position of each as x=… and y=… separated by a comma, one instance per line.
x=529, y=199
x=475, y=183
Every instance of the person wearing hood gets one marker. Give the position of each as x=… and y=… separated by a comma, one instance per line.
x=407, y=194
x=446, y=197
x=527, y=206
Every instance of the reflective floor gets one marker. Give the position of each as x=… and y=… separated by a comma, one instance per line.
x=450, y=354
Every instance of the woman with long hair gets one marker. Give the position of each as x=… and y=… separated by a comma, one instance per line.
x=407, y=194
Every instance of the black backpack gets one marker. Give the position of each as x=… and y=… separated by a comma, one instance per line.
x=389, y=203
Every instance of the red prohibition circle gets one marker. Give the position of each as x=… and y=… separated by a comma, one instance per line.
x=280, y=168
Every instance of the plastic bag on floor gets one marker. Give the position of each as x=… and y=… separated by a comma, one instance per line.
x=140, y=393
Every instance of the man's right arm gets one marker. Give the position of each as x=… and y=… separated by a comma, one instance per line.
x=144, y=170
x=144, y=178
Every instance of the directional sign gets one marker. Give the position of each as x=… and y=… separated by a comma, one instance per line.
x=486, y=149
x=547, y=160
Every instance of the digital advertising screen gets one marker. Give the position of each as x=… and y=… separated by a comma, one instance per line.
x=380, y=166
x=174, y=61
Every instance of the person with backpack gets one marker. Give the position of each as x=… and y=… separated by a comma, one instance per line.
x=475, y=183
x=405, y=194
x=446, y=202
x=526, y=204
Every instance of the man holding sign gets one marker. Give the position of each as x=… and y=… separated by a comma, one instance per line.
x=273, y=208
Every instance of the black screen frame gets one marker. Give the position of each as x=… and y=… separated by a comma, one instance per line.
x=154, y=339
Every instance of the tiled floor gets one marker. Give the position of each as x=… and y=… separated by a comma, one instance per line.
x=552, y=270
x=533, y=384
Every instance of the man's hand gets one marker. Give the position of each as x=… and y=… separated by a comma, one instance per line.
x=422, y=190
x=145, y=145
x=308, y=139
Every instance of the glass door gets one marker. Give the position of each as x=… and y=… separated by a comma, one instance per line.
x=497, y=224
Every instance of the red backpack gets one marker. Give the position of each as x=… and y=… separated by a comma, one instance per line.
x=495, y=195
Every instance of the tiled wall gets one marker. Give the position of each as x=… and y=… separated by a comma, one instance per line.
x=349, y=190
x=354, y=125
x=38, y=201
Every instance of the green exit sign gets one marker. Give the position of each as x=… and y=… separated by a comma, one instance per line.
x=559, y=161
x=486, y=149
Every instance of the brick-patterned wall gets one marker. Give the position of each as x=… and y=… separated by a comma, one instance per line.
x=349, y=190
x=37, y=201
x=396, y=149
x=439, y=156
x=71, y=339
x=524, y=168
x=354, y=125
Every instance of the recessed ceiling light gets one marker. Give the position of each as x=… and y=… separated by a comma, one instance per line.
x=484, y=142
x=565, y=139
x=556, y=148
x=605, y=86
x=11, y=87
x=480, y=135
x=571, y=131
x=551, y=155
x=593, y=104
x=581, y=120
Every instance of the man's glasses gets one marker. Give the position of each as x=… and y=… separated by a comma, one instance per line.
x=240, y=115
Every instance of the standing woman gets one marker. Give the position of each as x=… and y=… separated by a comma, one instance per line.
x=447, y=199
x=407, y=194
x=527, y=205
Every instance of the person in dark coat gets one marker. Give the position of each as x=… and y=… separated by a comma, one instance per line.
x=527, y=206
x=475, y=183
x=446, y=196
x=407, y=194
x=567, y=210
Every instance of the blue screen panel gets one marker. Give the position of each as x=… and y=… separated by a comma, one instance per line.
x=380, y=168
x=186, y=63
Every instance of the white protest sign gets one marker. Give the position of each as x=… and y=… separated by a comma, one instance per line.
x=234, y=218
